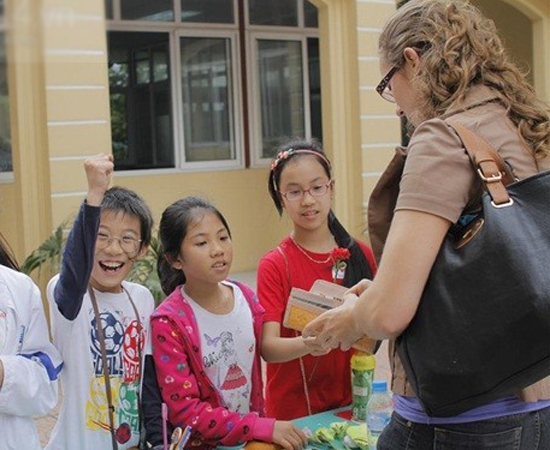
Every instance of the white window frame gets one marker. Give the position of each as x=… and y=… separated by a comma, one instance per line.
x=256, y=159
x=176, y=30
x=236, y=114
x=154, y=27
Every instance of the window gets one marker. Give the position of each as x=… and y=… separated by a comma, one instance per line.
x=5, y=135
x=207, y=99
x=279, y=13
x=310, y=12
x=194, y=85
x=211, y=11
x=160, y=10
x=140, y=95
x=281, y=91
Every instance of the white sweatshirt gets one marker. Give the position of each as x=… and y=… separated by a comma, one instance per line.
x=31, y=363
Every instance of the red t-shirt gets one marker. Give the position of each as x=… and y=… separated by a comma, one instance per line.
x=327, y=377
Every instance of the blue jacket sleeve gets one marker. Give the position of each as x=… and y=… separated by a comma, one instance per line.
x=77, y=262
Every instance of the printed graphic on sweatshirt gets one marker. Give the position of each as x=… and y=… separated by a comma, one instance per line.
x=123, y=340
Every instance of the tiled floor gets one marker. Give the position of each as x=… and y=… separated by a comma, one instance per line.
x=45, y=424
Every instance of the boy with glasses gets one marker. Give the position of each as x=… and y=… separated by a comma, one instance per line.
x=99, y=321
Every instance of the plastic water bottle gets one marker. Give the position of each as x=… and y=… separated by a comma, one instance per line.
x=379, y=408
x=362, y=372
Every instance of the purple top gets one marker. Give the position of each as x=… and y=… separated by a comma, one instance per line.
x=411, y=409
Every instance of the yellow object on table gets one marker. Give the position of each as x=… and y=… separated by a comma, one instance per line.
x=360, y=435
x=327, y=430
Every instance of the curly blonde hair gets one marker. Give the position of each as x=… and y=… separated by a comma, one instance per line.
x=459, y=48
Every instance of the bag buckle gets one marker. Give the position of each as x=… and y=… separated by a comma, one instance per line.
x=510, y=202
x=491, y=178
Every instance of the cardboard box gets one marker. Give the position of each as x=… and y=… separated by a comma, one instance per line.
x=303, y=306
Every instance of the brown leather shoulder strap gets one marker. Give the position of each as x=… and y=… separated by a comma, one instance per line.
x=488, y=164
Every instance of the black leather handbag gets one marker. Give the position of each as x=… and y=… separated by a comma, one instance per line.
x=482, y=329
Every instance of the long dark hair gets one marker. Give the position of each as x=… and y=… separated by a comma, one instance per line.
x=6, y=255
x=173, y=228
x=358, y=267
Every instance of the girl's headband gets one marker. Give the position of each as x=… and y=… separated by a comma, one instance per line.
x=285, y=154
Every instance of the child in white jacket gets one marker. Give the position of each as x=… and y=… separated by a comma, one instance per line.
x=29, y=363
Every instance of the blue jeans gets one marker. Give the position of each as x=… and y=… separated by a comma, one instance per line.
x=529, y=431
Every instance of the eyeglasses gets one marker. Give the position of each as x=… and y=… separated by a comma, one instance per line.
x=315, y=191
x=383, y=89
x=128, y=244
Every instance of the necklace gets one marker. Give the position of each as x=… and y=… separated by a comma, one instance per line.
x=306, y=254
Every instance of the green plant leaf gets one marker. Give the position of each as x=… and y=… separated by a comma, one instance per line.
x=48, y=253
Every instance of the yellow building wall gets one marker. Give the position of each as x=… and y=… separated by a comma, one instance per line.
x=380, y=127
x=361, y=130
x=8, y=223
x=538, y=11
x=341, y=128
x=79, y=126
x=30, y=189
x=240, y=195
x=77, y=91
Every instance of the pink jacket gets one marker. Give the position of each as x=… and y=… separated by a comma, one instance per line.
x=191, y=397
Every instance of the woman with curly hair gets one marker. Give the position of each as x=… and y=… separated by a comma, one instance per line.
x=442, y=60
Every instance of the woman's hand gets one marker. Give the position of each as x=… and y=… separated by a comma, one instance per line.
x=288, y=435
x=384, y=307
x=359, y=288
x=314, y=348
x=337, y=327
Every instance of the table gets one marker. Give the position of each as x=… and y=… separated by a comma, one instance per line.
x=323, y=419
x=314, y=422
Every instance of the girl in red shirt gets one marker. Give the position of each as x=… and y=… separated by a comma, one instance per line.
x=303, y=379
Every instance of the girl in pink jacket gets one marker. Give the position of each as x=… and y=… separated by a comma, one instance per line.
x=206, y=336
